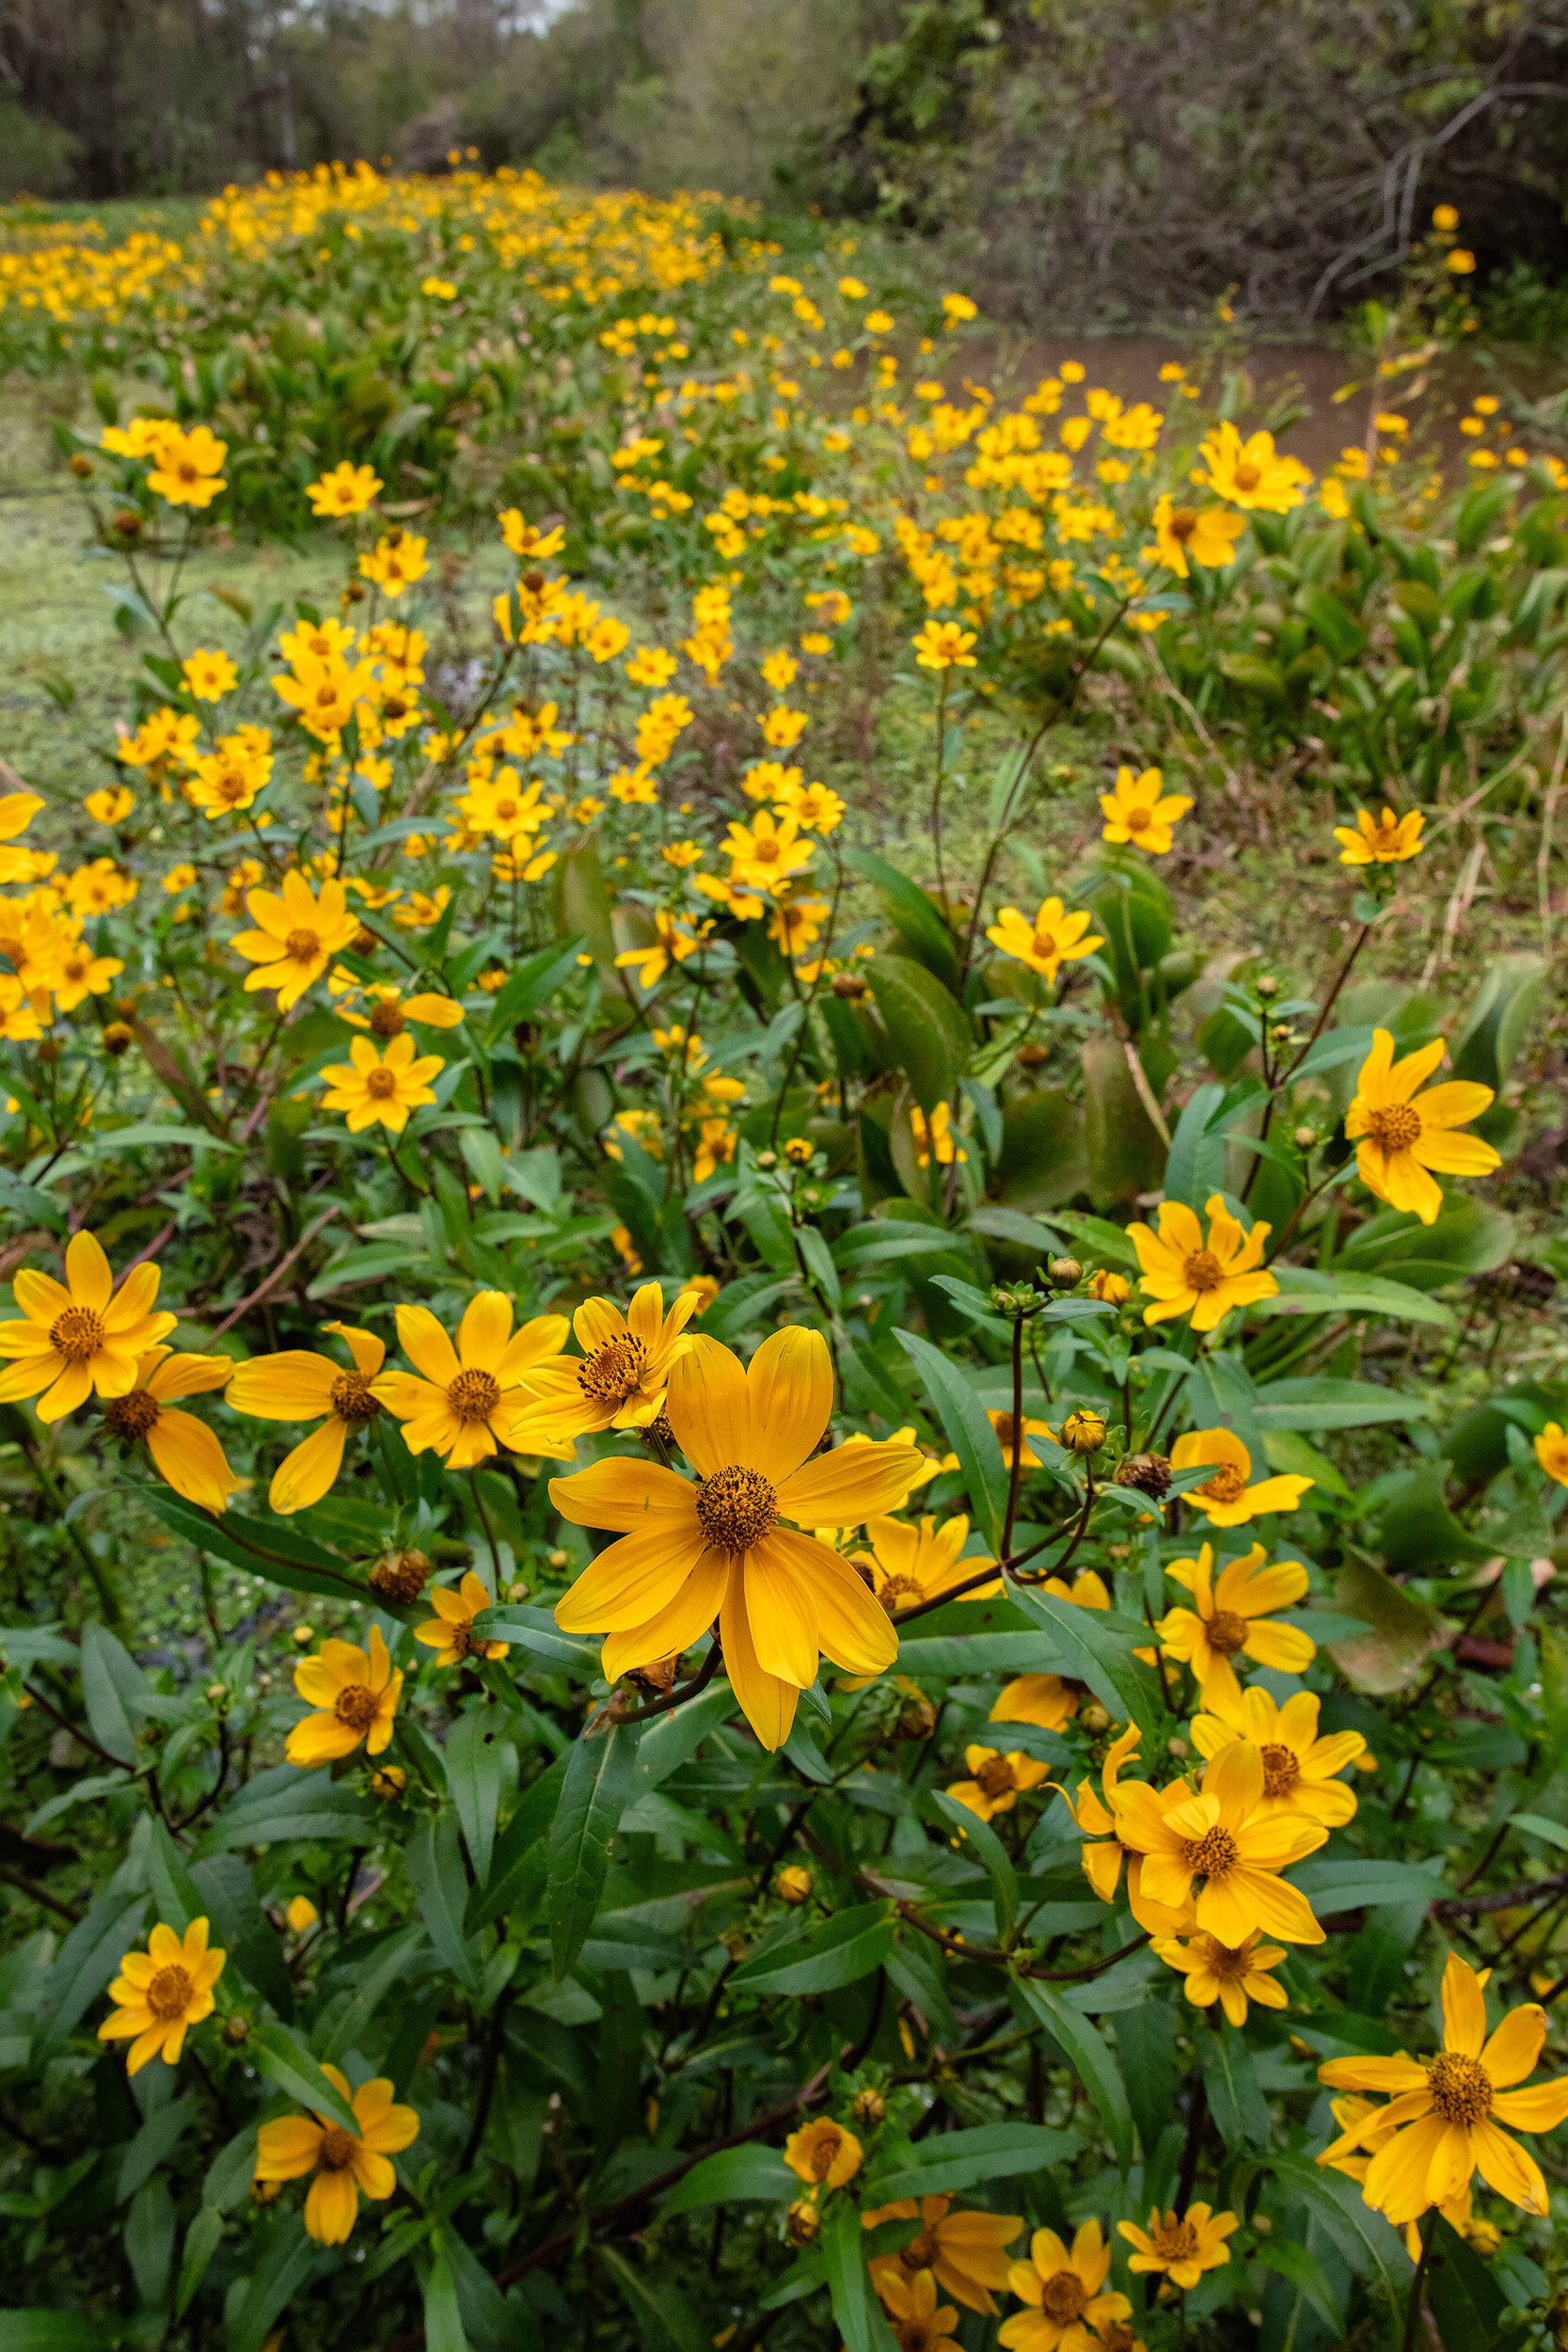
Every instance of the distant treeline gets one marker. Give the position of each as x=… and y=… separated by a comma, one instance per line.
x=1083, y=158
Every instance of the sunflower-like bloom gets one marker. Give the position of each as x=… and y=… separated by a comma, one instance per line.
x=619, y=1379
x=1251, y=473
x=345, y=490
x=345, y=2163
x=1441, y=2124
x=911, y=1565
x=451, y=1631
x=1181, y=2248
x=1225, y=1499
x=185, y=1454
x=1190, y=535
x=1551, y=1452
x=1228, y=1619
x=692, y=1553
x=963, y=2252
x=1184, y=1274
x=1105, y=1850
x=188, y=467
x=1389, y=840
x=469, y=1395
x=160, y=1993
x=823, y=2152
x=391, y=1011
x=1141, y=811
x=997, y=1782
x=1220, y=1837
x=81, y=1335
x=294, y=1385
x=296, y=936
x=1404, y=1135
x=1053, y=938
x=1299, y=1769
x=1064, y=2293
x=372, y=1089
x=1048, y=1700
x=1229, y=1974
x=356, y=1695
x=918, y=2322
x=768, y=852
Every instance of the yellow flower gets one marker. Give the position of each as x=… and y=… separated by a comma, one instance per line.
x=185, y=1454
x=322, y=691
x=1182, y=2250
x=823, y=2152
x=227, y=780
x=371, y=1087
x=1184, y=1274
x=766, y=852
x=1250, y=473
x=997, y=1781
x=1012, y=1441
x=935, y=1135
x=619, y=1379
x=1227, y=1620
x=294, y=1385
x=1389, y=841
x=673, y=944
x=110, y=805
x=1441, y=2124
x=960, y=2252
x=358, y=1696
x=296, y=937
x=451, y=1631
x=345, y=2163
x=1053, y=938
x=188, y=472
x=345, y=490
x=1185, y=535
x=301, y=1914
x=1106, y=1851
x=469, y=1395
x=396, y=560
x=1225, y=1499
x=813, y=808
x=792, y=1885
x=917, y=2321
x=1229, y=1974
x=1065, y=2293
x=1299, y=1769
x=1140, y=812
x=79, y=973
x=910, y=1564
x=81, y=1335
x=1404, y=1135
x=694, y=1553
x=1551, y=1452
x=1460, y=262
x=389, y=1009
x=210, y=675
x=1114, y=1288
x=159, y=1994
x=944, y=646
x=1219, y=1836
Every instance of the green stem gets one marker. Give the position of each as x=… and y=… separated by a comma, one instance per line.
x=48, y=1485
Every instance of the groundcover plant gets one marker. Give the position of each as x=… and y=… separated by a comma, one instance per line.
x=774, y=1570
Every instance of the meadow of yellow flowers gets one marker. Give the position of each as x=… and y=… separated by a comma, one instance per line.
x=780, y=1560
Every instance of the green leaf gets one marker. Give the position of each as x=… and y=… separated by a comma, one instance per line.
x=1495, y=1027
x=1363, y=2238
x=969, y=1433
x=1086, y=2052
x=50, y=2331
x=831, y=1953
x=1331, y=623
x=286, y=1804
x=288, y=2065
x=530, y=984
x=277, y=1554
x=441, y=1889
x=1235, y=2100
x=917, y=918
x=1304, y=2273
x=114, y=1691
x=1097, y=1653
x=175, y=1893
x=535, y=1630
x=991, y=1852
x=1353, y=1886
x=596, y=1792
x=89, y=1956
x=1419, y=1532
x=1462, y=2294
x=285, y=2260
x=519, y=1849
x=951, y=2161
x=475, y=1753
x=202, y=2240
x=848, y=2281
x=734, y=2177
x=1302, y=1291
x=661, y=2313
x=1537, y=1825
x=1324, y=1404
x=930, y=1037
x=443, y=2321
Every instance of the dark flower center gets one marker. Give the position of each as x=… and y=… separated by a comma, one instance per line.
x=995, y=1776
x=1226, y=1632
x=355, y=1705
x=1203, y=1271
x=170, y=1993
x=335, y=2151
x=302, y=946
x=1461, y=2088
x=613, y=1371
x=1174, y=2241
x=77, y=1334
x=387, y=1020
x=1282, y=1771
x=1395, y=1127
x=1212, y=1856
x=474, y=1396
x=737, y=1508
x=381, y=1085
x=1181, y=522
x=130, y=1416
x=1064, y=2296
x=352, y=1400
x=1227, y=1485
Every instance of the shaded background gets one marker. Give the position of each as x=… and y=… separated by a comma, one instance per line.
x=1093, y=161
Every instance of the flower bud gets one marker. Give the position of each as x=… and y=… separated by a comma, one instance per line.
x=303, y=1636
x=117, y=1039
x=869, y=2109
x=1304, y=1138
x=1115, y=1289
x=1267, y=986
x=1150, y=1473
x=389, y=1781
x=1065, y=1272
x=1083, y=1432
x=1033, y=1057
x=798, y=1152
x=235, y=2030
x=917, y=1717
x=1095, y=1719
x=848, y=984
x=793, y=1885
x=803, y=2222
x=558, y=1559
x=400, y=1575
x=768, y=1159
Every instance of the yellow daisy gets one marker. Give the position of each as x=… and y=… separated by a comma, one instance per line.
x=1184, y=1274
x=619, y=1379
x=159, y=1994
x=1251, y=473
x=823, y=2152
x=1401, y=1136
x=1220, y=1837
x=1231, y=1974
x=1064, y=2295
x=964, y=2253
x=1225, y=1499
x=450, y=1632
x=371, y=1087
x=1141, y=812
x=81, y=1335
x=1053, y=938
x=469, y=1395
x=1227, y=1620
x=358, y=1697
x=1299, y=1769
x=1387, y=840
x=1181, y=2248
x=345, y=2163
x=1189, y=535
x=185, y=1454
x=998, y=1781
x=294, y=1385
x=296, y=936
x=694, y=1553
x=910, y=1564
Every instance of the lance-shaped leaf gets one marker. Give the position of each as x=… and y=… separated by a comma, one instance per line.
x=596, y=1792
